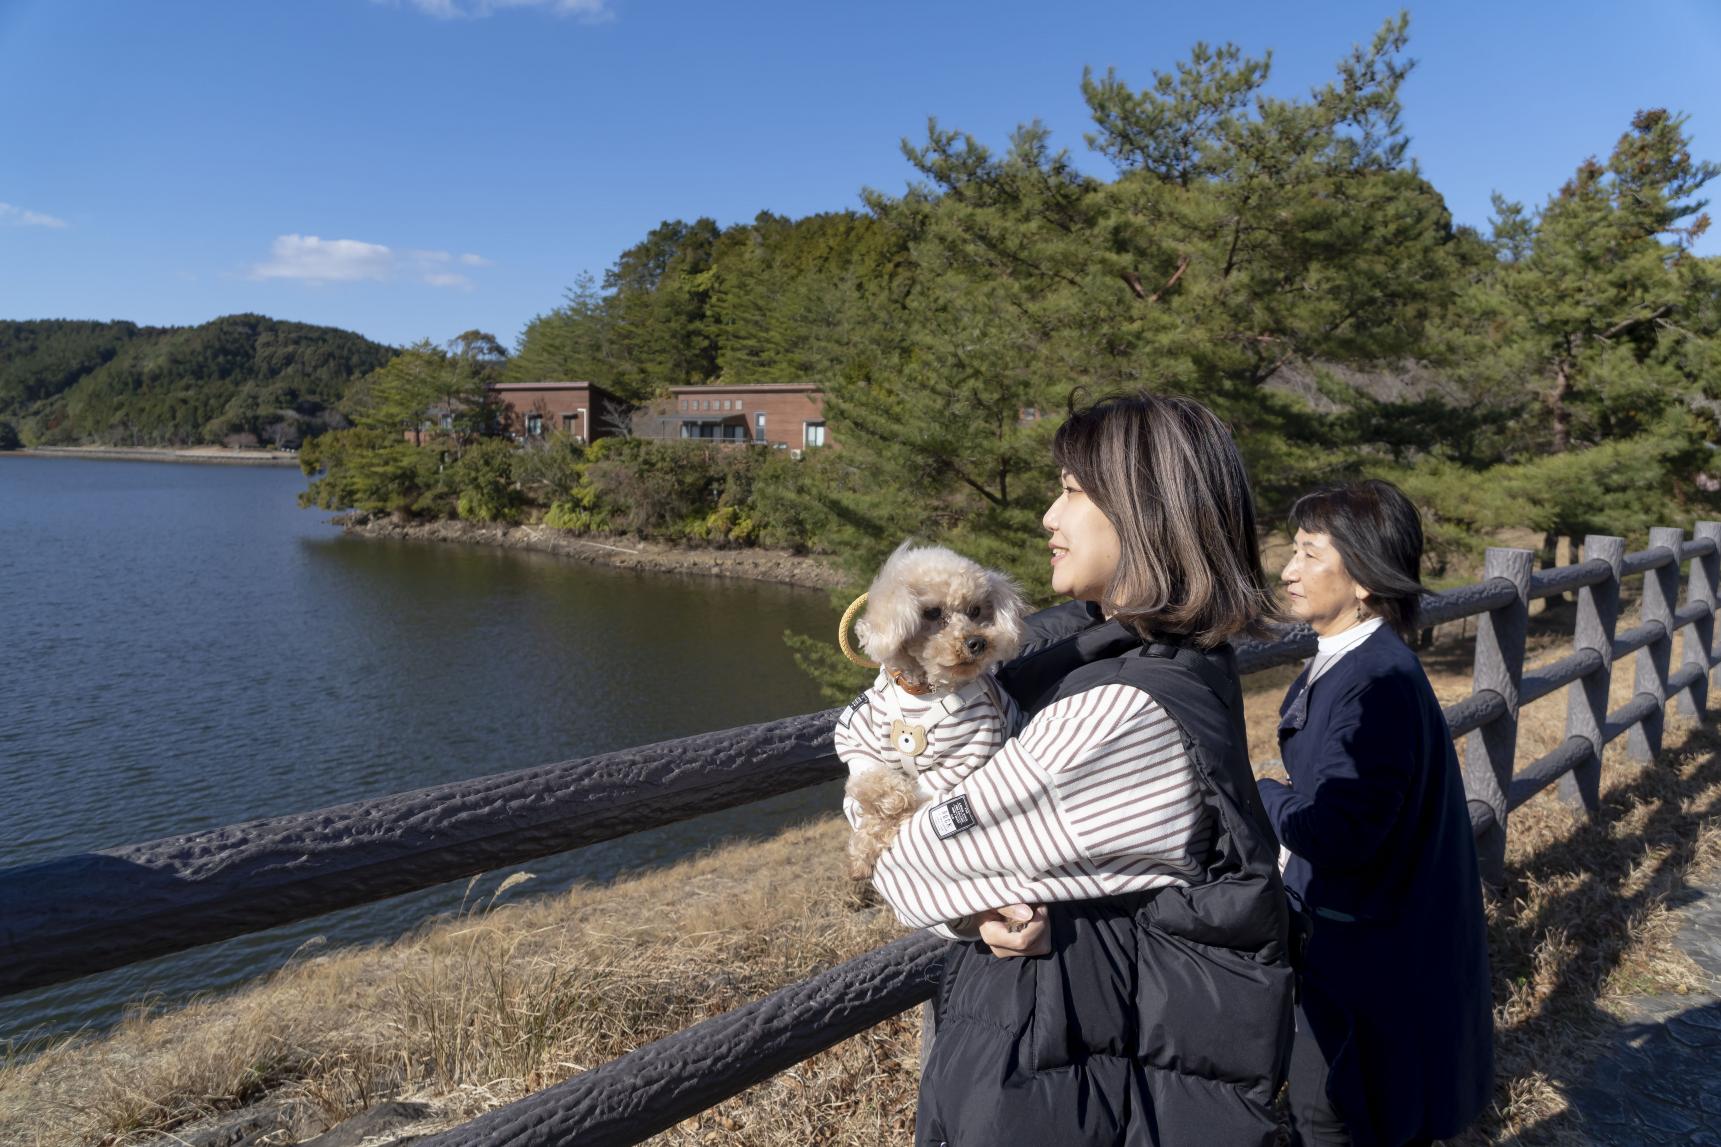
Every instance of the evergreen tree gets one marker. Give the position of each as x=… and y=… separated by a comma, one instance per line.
x=1243, y=236
x=660, y=290
x=573, y=343
x=423, y=385
x=1596, y=325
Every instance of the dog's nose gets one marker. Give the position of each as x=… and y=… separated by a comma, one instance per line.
x=975, y=646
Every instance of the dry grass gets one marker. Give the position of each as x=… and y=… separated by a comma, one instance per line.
x=473, y=1012
x=481, y=1009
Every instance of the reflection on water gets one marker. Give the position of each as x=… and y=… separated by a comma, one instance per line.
x=186, y=649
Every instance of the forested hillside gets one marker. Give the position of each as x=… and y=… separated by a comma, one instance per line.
x=242, y=378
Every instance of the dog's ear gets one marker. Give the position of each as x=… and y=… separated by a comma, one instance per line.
x=1008, y=610
x=892, y=617
x=892, y=610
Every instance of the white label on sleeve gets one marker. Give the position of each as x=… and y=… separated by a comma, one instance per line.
x=952, y=817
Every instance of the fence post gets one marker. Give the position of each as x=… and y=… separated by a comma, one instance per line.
x=1586, y=698
x=1697, y=647
x=1660, y=591
x=1499, y=667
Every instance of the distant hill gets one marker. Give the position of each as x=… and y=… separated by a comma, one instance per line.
x=236, y=379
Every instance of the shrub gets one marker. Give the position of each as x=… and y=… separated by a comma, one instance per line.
x=662, y=488
x=373, y=470
x=549, y=470
x=483, y=478
x=575, y=517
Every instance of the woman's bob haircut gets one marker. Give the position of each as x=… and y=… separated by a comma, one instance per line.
x=1166, y=474
x=1378, y=535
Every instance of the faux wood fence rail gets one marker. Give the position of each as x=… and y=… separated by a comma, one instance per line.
x=77, y=915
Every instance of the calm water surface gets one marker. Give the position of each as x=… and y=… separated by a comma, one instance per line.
x=184, y=648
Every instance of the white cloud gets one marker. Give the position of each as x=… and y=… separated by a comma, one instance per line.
x=585, y=11
x=19, y=217
x=315, y=262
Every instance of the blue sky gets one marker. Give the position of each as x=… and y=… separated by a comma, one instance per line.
x=416, y=168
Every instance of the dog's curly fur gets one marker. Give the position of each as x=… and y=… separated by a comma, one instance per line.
x=938, y=619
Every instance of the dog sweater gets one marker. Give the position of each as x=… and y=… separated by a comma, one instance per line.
x=962, y=730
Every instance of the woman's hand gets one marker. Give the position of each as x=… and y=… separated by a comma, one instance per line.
x=1016, y=930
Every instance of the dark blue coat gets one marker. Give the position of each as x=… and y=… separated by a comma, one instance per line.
x=1396, y=988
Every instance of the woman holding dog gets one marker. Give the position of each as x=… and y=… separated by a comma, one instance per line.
x=1157, y=1007
x=1394, y=1037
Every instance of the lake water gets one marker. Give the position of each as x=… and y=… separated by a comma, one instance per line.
x=181, y=647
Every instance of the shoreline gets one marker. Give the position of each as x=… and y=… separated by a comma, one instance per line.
x=776, y=566
x=203, y=455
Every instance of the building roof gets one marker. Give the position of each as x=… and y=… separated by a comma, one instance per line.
x=544, y=386
x=747, y=388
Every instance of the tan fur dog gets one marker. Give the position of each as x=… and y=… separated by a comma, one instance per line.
x=936, y=623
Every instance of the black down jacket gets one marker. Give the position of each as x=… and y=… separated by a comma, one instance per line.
x=1162, y=1018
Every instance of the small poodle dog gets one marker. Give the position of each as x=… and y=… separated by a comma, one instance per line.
x=935, y=625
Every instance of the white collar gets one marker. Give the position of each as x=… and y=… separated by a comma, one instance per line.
x=1348, y=638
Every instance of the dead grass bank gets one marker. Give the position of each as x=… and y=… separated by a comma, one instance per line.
x=474, y=1012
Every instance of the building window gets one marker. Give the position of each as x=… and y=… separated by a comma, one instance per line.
x=758, y=426
x=735, y=432
x=448, y=422
x=684, y=404
x=534, y=425
x=812, y=434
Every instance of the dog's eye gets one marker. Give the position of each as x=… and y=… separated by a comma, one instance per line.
x=932, y=613
x=974, y=612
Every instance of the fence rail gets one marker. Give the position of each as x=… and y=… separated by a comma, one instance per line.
x=70, y=917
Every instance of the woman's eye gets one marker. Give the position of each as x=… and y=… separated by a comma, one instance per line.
x=932, y=613
x=974, y=612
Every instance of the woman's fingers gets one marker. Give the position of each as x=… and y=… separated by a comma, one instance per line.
x=1016, y=930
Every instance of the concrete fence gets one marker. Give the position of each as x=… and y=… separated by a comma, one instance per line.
x=73, y=916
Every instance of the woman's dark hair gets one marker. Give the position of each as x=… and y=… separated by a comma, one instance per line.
x=1166, y=474
x=1378, y=534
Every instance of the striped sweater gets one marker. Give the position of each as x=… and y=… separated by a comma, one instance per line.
x=957, y=742
x=1096, y=797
